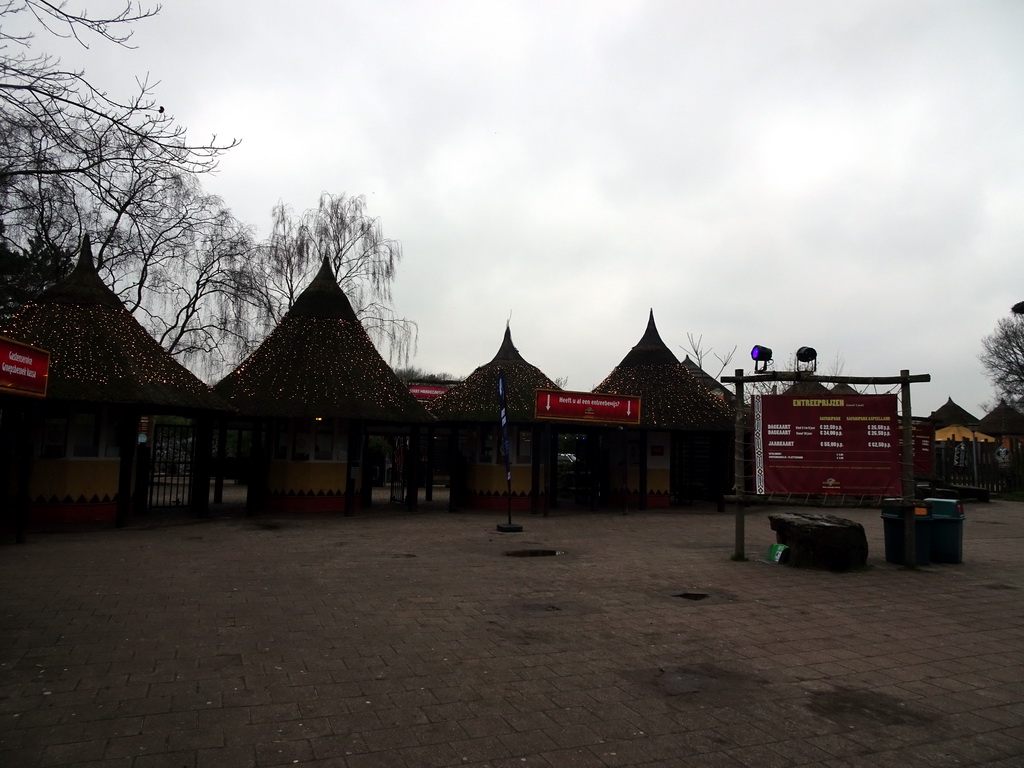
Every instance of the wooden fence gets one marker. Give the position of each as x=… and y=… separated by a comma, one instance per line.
x=993, y=466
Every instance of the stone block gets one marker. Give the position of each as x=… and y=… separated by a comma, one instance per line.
x=821, y=541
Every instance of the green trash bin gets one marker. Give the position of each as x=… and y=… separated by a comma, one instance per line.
x=893, y=512
x=947, y=539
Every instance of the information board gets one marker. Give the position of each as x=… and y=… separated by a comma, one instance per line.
x=924, y=439
x=837, y=444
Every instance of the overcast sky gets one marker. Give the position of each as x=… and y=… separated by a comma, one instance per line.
x=843, y=175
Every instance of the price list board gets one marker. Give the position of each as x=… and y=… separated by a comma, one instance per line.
x=924, y=439
x=838, y=444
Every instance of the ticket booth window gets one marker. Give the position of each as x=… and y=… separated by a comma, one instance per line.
x=55, y=438
x=281, y=438
x=301, y=440
x=323, y=449
x=524, y=449
x=85, y=435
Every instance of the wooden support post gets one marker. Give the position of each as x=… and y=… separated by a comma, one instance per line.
x=535, y=433
x=428, y=480
x=127, y=438
x=202, y=459
x=907, y=475
x=366, y=483
x=258, y=468
x=412, y=461
x=143, y=469
x=455, y=474
x=642, y=471
x=739, y=553
x=352, y=464
x=222, y=453
x=552, y=478
x=25, y=419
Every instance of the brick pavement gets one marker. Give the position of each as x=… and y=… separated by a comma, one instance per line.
x=408, y=640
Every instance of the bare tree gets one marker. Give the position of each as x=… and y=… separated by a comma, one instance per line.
x=56, y=122
x=192, y=282
x=412, y=374
x=1003, y=356
x=365, y=263
x=696, y=349
x=76, y=160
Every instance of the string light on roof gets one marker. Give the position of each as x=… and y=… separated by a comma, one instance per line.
x=315, y=365
x=672, y=398
x=100, y=353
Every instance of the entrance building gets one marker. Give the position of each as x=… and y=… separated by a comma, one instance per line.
x=680, y=450
x=314, y=389
x=106, y=373
x=470, y=412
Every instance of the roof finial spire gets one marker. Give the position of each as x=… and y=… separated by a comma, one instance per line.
x=85, y=253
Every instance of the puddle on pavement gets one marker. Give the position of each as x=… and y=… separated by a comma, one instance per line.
x=676, y=682
x=535, y=553
x=863, y=708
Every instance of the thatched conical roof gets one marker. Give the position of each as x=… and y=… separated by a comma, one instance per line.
x=842, y=388
x=475, y=400
x=671, y=397
x=950, y=414
x=320, y=362
x=1003, y=421
x=807, y=389
x=99, y=353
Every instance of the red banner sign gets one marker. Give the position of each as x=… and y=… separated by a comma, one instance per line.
x=24, y=370
x=924, y=439
x=834, y=444
x=427, y=391
x=559, y=405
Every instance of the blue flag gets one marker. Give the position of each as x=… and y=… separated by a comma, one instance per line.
x=503, y=404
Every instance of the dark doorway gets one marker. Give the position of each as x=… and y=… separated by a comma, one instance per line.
x=579, y=470
x=697, y=467
x=171, y=465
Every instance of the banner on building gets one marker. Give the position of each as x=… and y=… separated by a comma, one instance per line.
x=563, y=405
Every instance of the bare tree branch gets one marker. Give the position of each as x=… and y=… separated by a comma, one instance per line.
x=58, y=123
x=364, y=262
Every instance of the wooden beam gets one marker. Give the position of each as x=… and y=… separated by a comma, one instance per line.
x=801, y=376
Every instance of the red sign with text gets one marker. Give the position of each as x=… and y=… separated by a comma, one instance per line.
x=427, y=391
x=560, y=405
x=838, y=444
x=24, y=370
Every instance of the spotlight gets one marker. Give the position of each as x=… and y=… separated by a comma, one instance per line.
x=807, y=354
x=761, y=357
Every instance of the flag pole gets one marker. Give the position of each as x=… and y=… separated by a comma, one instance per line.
x=508, y=527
